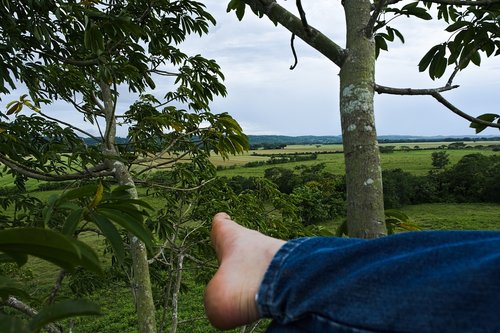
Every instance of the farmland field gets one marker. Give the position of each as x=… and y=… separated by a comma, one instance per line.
x=417, y=162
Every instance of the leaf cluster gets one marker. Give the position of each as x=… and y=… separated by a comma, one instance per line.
x=154, y=128
x=59, y=48
x=68, y=253
x=474, y=30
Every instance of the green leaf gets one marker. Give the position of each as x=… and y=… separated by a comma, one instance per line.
x=489, y=117
x=78, y=193
x=72, y=221
x=13, y=325
x=438, y=64
x=8, y=287
x=397, y=214
x=426, y=60
x=63, y=310
x=134, y=226
x=133, y=202
x=380, y=44
x=17, y=107
x=455, y=49
x=466, y=55
x=52, y=246
x=476, y=58
x=19, y=258
x=457, y=25
x=112, y=234
x=411, y=9
x=49, y=209
x=93, y=39
x=238, y=6
x=398, y=34
x=489, y=47
x=125, y=208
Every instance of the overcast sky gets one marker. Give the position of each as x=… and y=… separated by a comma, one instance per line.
x=266, y=97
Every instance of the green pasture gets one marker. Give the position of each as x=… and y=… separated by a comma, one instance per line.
x=447, y=216
x=455, y=216
x=417, y=162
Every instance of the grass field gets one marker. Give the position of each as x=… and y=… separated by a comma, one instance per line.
x=417, y=162
x=448, y=216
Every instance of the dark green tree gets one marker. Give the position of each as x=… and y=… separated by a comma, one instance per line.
x=83, y=52
x=440, y=159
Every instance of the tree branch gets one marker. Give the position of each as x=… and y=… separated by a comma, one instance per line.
x=316, y=39
x=436, y=94
x=74, y=62
x=159, y=165
x=466, y=59
x=97, y=171
x=462, y=114
x=410, y=91
x=303, y=18
x=71, y=126
x=57, y=287
x=27, y=310
x=370, y=27
x=165, y=150
x=174, y=188
x=163, y=73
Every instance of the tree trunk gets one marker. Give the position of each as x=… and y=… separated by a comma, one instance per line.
x=141, y=282
x=365, y=204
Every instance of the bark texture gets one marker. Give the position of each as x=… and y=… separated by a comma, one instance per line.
x=141, y=281
x=365, y=204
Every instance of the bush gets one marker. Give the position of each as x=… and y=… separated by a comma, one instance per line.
x=399, y=188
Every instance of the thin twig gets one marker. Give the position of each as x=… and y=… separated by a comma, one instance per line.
x=57, y=287
x=171, y=187
x=369, y=30
x=98, y=171
x=292, y=67
x=70, y=126
x=302, y=14
x=462, y=114
x=20, y=306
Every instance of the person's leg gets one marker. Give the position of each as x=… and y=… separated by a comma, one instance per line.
x=244, y=256
x=413, y=282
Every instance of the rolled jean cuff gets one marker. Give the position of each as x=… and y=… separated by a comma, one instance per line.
x=266, y=293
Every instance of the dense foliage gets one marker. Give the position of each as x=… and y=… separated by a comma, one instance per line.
x=320, y=196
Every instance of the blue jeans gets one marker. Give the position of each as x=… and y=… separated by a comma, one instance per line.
x=438, y=281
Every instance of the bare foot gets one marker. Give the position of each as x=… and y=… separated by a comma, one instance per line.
x=244, y=256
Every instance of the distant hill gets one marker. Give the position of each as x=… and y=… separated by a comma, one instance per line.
x=312, y=139
x=291, y=140
x=277, y=140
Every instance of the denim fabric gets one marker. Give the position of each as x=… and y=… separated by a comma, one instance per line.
x=443, y=281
